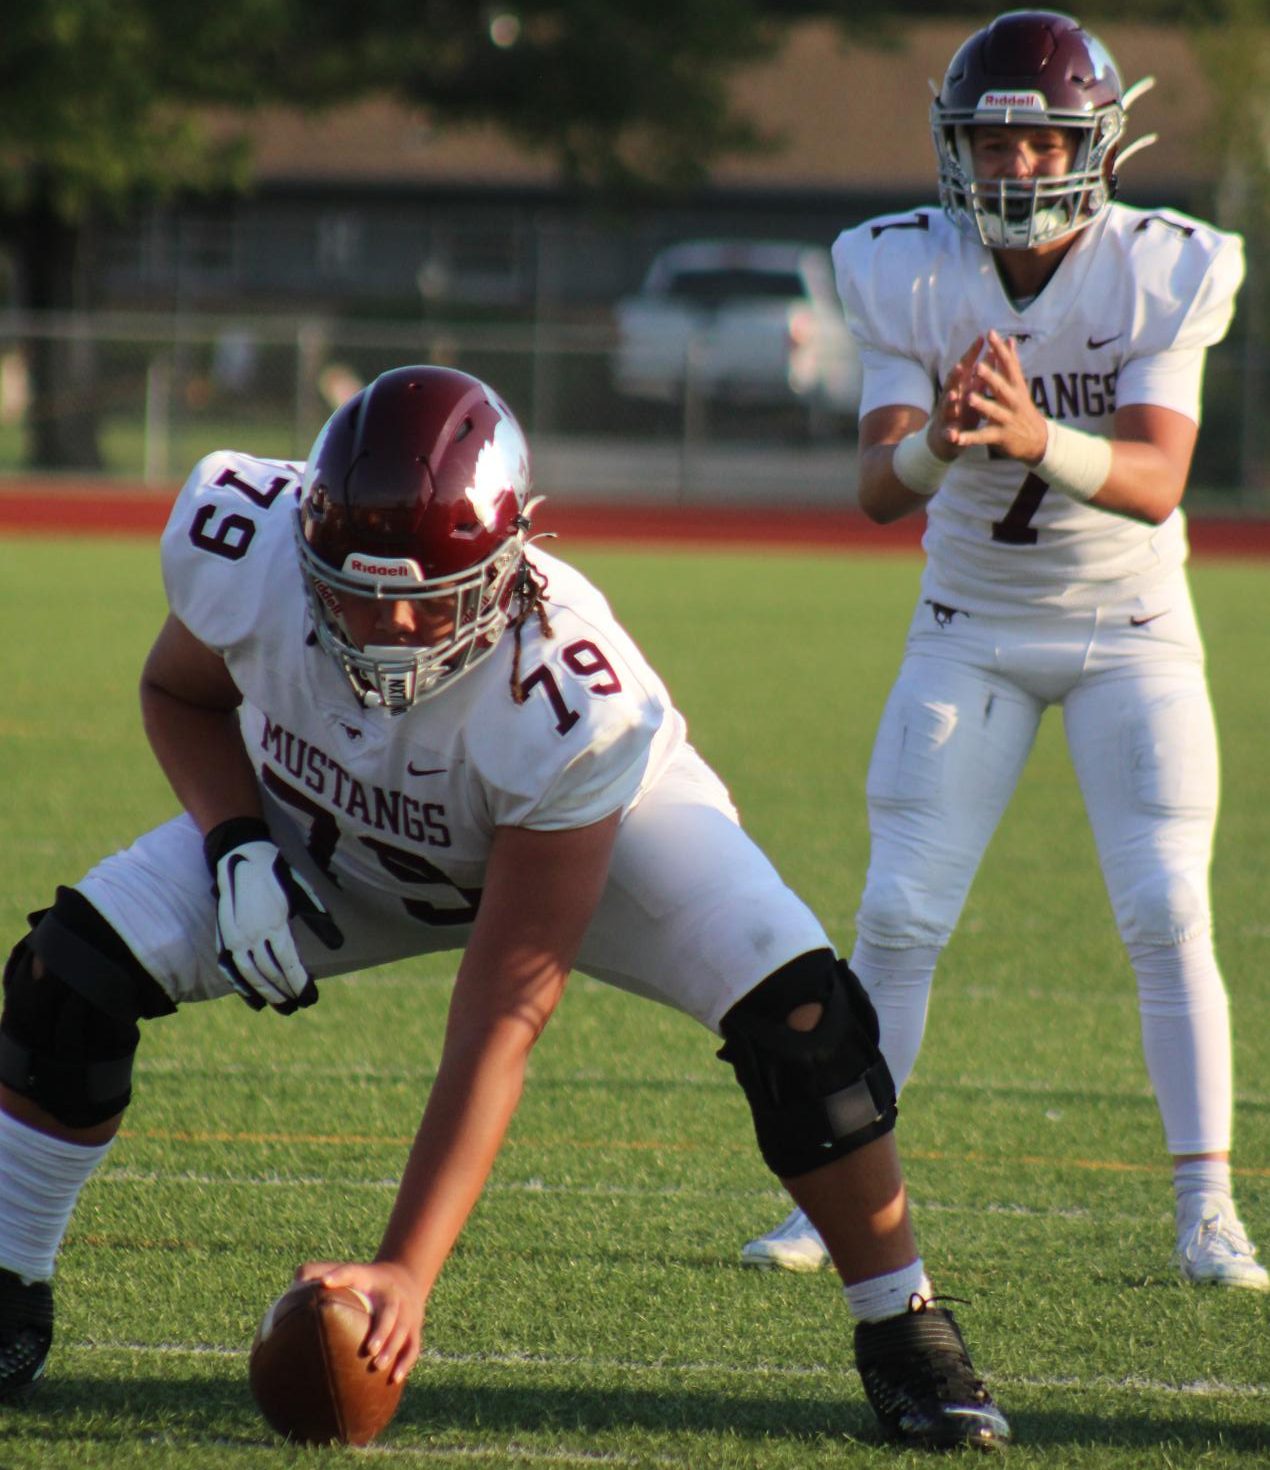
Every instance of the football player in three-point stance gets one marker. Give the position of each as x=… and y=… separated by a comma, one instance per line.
x=1033, y=356
x=395, y=729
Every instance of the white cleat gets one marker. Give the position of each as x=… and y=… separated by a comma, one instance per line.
x=795, y=1245
x=1215, y=1250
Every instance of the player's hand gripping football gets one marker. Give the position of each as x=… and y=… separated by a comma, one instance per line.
x=999, y=394
x=257, y=896
x=954, y=415
x=397, y=1305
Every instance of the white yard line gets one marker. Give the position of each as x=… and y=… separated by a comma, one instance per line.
x=125, y=1175
x=1097, y=1383
x=498, y=1454
x=711, y=1082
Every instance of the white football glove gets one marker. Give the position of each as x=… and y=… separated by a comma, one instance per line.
x=257, y=895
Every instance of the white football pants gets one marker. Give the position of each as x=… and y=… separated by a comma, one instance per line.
x=693, y=914
x=952, y=743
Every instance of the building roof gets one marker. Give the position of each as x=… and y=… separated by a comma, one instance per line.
x=844, y=115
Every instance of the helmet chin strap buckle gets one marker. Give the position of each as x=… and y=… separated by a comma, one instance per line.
x=394, y=688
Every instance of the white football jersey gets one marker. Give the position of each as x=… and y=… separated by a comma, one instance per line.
x=408, y=802
x=1125, y=319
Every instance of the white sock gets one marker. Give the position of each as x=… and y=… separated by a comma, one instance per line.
x=889, y=1295
x=1198, y=1180
x=40, y=1180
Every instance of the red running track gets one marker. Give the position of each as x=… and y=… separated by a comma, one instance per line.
x=63, y=507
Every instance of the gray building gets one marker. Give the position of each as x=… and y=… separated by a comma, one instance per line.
x=373, y=208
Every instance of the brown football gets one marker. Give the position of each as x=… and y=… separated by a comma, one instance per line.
x=308, y=1373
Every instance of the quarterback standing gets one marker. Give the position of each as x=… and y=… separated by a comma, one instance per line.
x=1033, y=357
x=396, y=729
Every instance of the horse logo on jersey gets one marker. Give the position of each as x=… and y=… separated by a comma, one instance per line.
x=943, y=613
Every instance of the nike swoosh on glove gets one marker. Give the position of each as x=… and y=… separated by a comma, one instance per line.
x=257, y=896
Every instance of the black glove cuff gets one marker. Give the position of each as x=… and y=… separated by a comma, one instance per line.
x=231, y=834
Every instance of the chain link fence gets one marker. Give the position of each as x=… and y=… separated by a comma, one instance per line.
x=141, y=396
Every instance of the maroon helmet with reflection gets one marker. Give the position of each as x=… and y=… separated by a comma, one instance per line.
x=417, y=488
x=1036, y=68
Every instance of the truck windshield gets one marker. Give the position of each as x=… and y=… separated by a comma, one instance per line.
x=713, y=287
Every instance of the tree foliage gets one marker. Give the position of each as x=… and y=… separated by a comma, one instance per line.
x=103, y=103
x=99, y=99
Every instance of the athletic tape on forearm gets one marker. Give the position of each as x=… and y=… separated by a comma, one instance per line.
x=1074, y=462
x=916, y=466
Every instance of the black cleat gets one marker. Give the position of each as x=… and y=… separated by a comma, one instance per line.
x=26, y=1333
x=921, y=1383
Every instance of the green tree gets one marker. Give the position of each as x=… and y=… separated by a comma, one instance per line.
x=101, y=101
x=103, y=106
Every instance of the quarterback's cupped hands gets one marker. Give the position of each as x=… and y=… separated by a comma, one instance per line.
x=1009, y=423
x=257, y=896
x=397, y=1303
x=954, y=413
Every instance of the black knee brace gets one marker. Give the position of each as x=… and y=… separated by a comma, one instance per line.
x=67, y=1036
x=815, y=1095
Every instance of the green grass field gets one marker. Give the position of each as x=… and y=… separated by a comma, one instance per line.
x=594, y=1312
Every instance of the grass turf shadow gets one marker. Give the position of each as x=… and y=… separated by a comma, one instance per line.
x=79, y=1409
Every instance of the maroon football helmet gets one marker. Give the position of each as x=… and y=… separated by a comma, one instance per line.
x=1041, y=69
x=417, y=488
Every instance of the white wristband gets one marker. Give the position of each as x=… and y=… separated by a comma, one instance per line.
x=916, y=466
x=1074, y=462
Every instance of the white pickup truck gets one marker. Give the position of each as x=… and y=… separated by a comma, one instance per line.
x=739, y=320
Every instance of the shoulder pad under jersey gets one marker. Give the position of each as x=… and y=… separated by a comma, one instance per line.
x=579, y=745
x=228, y=550
x=875, y=267
x=1186, y=276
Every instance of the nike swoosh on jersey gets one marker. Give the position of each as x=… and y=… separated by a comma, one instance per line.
x=1138, y=622
x=1094, y=343
x=427, y=771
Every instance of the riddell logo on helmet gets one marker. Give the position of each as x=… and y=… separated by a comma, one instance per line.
x=994, y=101
x=401, y=569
